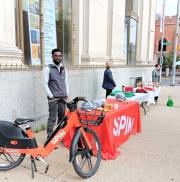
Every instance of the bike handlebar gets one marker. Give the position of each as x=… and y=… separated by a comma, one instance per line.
x=80, y=98
x=72, y=105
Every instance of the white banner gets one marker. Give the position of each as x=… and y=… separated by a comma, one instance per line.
x=50, y=41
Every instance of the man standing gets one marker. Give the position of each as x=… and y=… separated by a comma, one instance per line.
x=156, y=73
x=108, y=81
x=57, y=89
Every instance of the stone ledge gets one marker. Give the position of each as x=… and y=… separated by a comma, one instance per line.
x=10, y=55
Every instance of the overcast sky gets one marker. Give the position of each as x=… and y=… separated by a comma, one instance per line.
x=170, y=7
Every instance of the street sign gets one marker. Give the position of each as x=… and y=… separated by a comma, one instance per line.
x=167, y=43
x=177, y=62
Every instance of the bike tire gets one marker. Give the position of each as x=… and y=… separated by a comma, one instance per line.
x=9, y=161
x=82, y=152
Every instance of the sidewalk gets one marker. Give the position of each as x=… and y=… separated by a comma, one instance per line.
x=167, y=81
x=151, y=156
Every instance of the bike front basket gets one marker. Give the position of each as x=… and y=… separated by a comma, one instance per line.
x=90, y=117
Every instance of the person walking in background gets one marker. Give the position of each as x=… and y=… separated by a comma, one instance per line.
x=108, y=81
x=156, y=78
x=57, y=89
x=156, y=73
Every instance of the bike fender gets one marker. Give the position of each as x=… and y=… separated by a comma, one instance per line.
x=74, y=140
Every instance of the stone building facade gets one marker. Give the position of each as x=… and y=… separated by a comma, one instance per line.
x=89, y=32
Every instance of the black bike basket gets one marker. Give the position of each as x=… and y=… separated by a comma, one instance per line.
x=90, y=117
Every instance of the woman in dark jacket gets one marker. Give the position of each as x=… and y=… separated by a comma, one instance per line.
x=108, y=81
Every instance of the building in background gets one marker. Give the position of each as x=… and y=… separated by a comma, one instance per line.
x=169, y=33
x=88, y=32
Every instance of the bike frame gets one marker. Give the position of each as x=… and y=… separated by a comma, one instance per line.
x=57, y=136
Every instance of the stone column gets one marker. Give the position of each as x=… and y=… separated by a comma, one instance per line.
x=152, y=11
x=139, y=33
x=85, y=55
x=144, y=44
x=109, y=29
x=9, y=53
x=118, y=52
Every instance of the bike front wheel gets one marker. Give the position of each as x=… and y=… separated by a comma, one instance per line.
x=9, y=161
x=86, y=162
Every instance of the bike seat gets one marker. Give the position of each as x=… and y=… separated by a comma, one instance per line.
x=20, y=121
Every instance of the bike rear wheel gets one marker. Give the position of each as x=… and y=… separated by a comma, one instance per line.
x=86, y=162
x=9, y=161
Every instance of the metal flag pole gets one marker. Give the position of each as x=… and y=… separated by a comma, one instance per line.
x=175, y=46
x=162, y=37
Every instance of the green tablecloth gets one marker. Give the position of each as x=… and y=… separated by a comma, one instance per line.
x=129, y=94
x=114, y=92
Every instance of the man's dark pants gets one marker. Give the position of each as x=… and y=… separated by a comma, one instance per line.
x=56, y=108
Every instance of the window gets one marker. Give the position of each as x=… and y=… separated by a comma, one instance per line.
x=57, y=29
x=26, y=33
x=27, y=30
x=131, y=7
x=132, y=41
x=63, y=28
x=164, y=46
x=131, y=28
x=134, y=6
x=131, y=14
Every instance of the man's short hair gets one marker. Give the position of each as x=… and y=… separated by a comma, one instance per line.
x=56, y=50
x=156, y=65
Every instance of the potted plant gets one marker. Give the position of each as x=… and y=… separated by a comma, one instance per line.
x=167, y=63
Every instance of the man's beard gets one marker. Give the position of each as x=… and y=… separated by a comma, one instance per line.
x=56, y=62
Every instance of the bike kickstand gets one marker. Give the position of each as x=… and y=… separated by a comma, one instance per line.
x=44, y=162
x=33, y=166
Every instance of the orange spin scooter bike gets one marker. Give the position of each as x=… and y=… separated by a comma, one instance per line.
x=85, y=150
